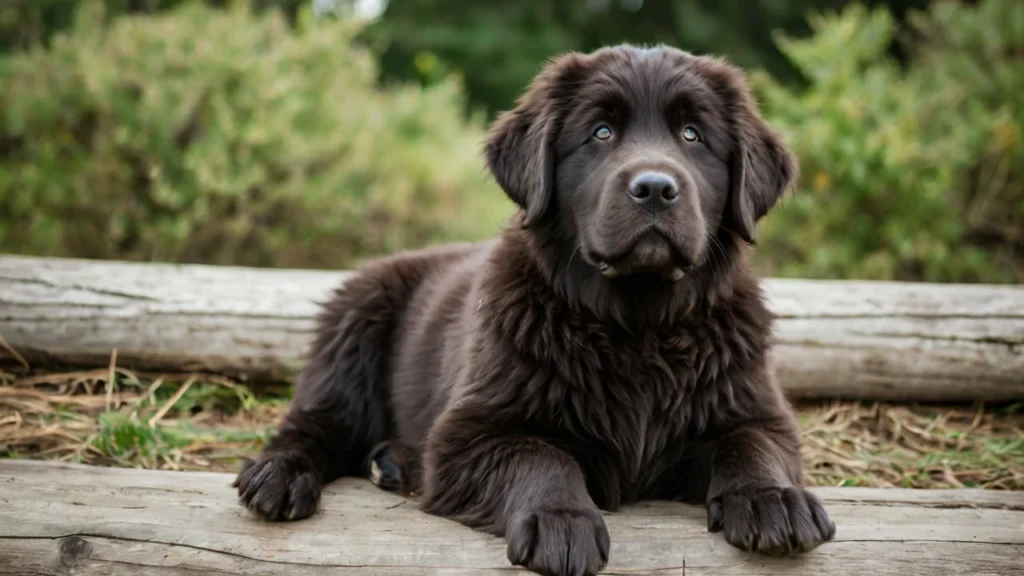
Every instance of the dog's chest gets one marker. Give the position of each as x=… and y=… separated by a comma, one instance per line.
x=632, y=406
x=625, y=403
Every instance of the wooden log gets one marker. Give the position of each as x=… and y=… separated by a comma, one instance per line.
x=63, y=519
x=835, y=339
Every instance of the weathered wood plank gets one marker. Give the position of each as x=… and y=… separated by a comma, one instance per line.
x=857, y=340
x=70, y=519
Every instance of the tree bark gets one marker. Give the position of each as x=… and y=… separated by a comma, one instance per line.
x=834, y=339
x=64, y=519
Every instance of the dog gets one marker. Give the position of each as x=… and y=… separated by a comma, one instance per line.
x=610, y=345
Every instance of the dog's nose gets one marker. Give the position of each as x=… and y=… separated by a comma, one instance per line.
x=655, y=188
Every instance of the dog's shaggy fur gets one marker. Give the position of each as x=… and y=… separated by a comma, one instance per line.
x=611, y=345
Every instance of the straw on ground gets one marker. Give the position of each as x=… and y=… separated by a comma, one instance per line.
x=206, y=422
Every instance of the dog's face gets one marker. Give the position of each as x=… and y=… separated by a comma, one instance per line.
x=642, y=156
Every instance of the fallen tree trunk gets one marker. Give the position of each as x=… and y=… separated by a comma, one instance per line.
x=853, y=340
x=61, y=519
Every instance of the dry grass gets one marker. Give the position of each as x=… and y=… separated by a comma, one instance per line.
x=877, y=444
x=205, y=422
x=178, y=422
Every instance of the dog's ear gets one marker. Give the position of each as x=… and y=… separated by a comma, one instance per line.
x=761, y=167
x=520, y=147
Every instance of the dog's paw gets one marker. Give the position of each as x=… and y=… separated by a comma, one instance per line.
x=772, y=520
x=559, y=542
x=279, y=487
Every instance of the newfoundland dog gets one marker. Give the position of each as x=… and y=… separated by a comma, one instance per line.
x=611, y=345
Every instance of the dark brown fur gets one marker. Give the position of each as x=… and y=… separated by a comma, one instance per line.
x=564, y=367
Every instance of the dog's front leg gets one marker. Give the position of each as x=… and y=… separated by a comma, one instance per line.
x=519, y=487
x=755, y=497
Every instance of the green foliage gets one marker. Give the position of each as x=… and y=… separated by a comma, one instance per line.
x=499, y=46
x=914, y=174
x=221, y=136
x=27, y=23
x=187, y=130
x=120, y=436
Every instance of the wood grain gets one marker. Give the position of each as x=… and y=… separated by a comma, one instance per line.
x=853, y=340
x=62, y=519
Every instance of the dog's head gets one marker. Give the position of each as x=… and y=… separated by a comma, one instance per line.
x=641, y=157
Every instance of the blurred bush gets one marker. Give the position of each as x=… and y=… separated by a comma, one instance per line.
x=26, y=23
x=220, y=136
x=498, y=46
x=192, y=131
x=910, y=174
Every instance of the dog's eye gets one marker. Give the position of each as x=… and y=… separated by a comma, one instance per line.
x=603, y=132
x=690, y=134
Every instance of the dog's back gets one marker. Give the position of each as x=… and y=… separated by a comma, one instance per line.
x=390, y=304
x=424, y=356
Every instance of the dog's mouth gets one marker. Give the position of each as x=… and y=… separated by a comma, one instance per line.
x=650, y=252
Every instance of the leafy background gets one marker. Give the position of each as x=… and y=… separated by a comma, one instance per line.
x=296, y=133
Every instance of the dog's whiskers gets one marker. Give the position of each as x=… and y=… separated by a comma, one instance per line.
x=717, y=248
x=571, y=256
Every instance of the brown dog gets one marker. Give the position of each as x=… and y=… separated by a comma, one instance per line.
x=611, y=345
